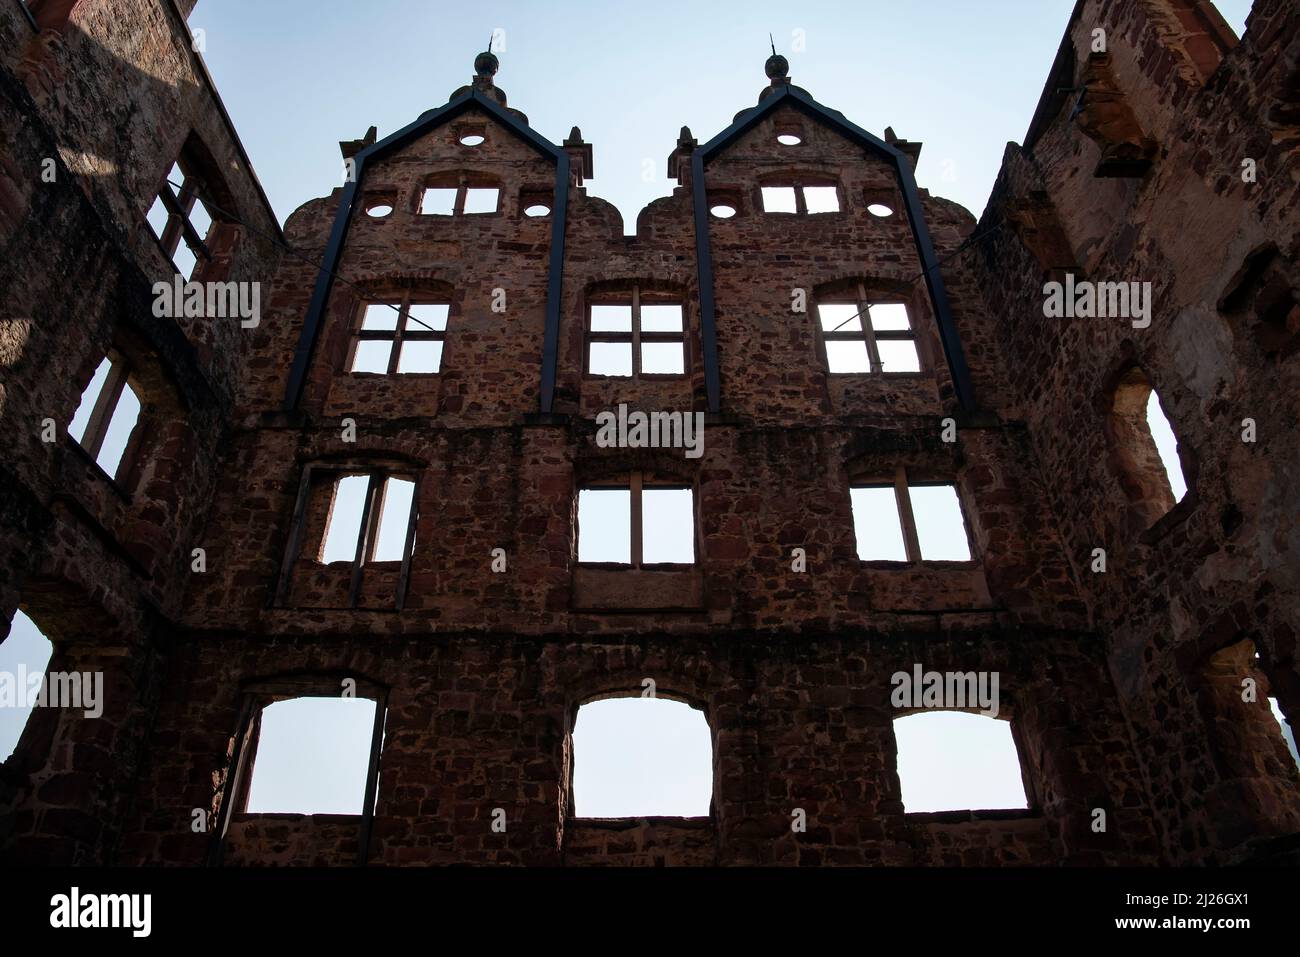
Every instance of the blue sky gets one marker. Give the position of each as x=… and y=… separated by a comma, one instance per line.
x=961, y=77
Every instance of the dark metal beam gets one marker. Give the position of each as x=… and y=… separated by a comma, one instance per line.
x=704, y=267
x=313, y=323
x=555, y=284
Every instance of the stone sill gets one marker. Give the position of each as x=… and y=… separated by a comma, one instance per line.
x=973, y=817
x=394, y=376
x=290, y=817
x=647, y=376
x=601, y=587
x=1163, y=526
x=628, y=823
x=924, y=374
x=95, y=468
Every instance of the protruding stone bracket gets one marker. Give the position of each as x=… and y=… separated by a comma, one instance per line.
x=1106, y=117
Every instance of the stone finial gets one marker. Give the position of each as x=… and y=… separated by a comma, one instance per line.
x=581, y=154
x=486, y=64
x=777, y=69
x=679, y=161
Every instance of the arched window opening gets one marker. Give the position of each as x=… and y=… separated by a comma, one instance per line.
x=1147, y=454
x=311, y=756
x=954, y=761
x=24, y=656
x=1251, y=741
x=639, y=757
x=1162, y=433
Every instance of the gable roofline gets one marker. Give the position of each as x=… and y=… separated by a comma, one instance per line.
x=427, y=122
x=792, y=96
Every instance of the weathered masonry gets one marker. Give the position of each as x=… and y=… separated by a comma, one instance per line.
x=391, y=484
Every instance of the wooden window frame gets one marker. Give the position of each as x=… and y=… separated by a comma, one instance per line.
x=907, y=519
x=635, y=299
x=636, y=483
x=871, y=335
x=368, y=534
x=798, y=183
x=106, y=403
x=463, y=184
x=399, y=333
x=248, y=726
x=179, y=207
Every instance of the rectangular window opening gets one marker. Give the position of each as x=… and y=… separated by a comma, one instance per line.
x=877, y=525
x=634, y=757
x=401, y=337
x=438, y=201
x=956, y=761
x=822, y=199
x=605, y=525
x=909, y=522
x=778, y=199
x=864, y=337
x=638, y=524
x=107, y=415
x=343, y=527
x=181, y=219
x=634, y=338
x=481, y=200
x=940, y=528
x=394, y=519
x=312, y=756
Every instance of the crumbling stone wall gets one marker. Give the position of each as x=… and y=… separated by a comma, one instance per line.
x=93, y=113
x=1222, y=187
x=1110, y=681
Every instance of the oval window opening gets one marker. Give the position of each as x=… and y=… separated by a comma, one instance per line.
x=471, y=139
x=379, y=210
x=788, y=139
x=537, y=209
x=723, y=210
x=880, y=210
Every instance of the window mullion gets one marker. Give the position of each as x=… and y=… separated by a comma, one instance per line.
x=368, y=514
x=907, y=518
x=393, y=353
x=295, y=536
x=175, y=229
x=868, y=331
x=800, y=203
x=635, y=486
x=636, y=331
x=105, y=404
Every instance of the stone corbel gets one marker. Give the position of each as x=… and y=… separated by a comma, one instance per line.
x=1106, y=117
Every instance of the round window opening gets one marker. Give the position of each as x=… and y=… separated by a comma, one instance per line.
x=880, y=210
x=789, y=139
x=471, y=139
x=723, y=210
x=378, y=210
x=537, y=209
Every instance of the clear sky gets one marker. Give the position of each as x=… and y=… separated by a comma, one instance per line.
x=961, y=77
